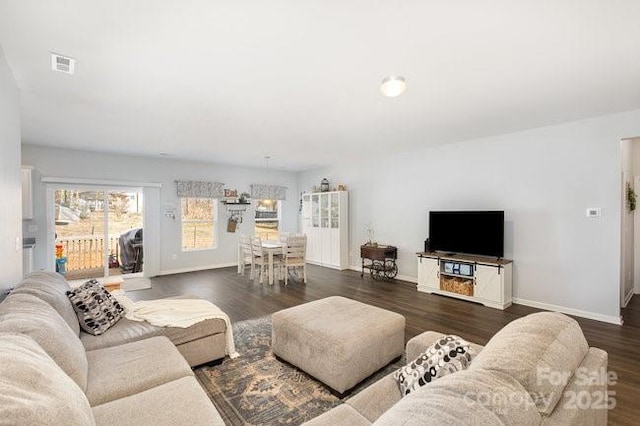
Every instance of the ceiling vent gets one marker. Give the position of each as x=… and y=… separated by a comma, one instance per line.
x=62, y=63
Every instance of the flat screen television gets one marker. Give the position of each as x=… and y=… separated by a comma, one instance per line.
x=469, y=232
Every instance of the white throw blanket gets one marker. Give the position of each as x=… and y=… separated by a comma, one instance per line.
x=180, y=313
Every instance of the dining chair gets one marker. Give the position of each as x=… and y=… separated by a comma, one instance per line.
x=282, y=237
x=260, y=258
x=244, y=255
x=295, y=255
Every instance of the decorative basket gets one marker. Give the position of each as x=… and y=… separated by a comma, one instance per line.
x=457, y=285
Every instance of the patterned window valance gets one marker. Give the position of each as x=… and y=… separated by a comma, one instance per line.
x=192, y=188
x=268, y=192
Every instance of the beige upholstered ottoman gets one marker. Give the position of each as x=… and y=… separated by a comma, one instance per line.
x=337, y=340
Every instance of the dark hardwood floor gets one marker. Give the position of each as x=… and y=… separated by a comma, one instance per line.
x=244, y=299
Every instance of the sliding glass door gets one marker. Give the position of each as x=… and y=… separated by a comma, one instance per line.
x=98, y=231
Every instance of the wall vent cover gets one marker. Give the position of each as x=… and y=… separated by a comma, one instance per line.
x=62, y=63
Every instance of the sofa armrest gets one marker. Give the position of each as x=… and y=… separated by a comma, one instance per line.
x=587, y=386
x=374, y=400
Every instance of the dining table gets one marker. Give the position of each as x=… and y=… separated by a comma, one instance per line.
x=272, y=247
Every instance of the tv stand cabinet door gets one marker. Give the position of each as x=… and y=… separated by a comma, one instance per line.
x=489, y=283
x=428, y=274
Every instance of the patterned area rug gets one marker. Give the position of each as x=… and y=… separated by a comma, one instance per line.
x=258, y=389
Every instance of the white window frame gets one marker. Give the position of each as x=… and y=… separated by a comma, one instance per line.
x=214, y=244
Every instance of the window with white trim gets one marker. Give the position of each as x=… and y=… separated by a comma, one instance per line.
x=199, y=223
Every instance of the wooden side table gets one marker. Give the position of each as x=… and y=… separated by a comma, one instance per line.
x=113, y=286
x=382, y=261
x=112, y=283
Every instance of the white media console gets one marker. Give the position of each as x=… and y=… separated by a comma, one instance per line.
x=474, y=278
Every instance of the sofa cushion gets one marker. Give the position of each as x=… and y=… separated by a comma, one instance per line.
x=447, y=355
x=124, y=370
x=477, y=397
x=124, y=331
x=180, y=402
x=537, y=350
x=208, y=327
x=34, y=390
x=96, y=308
x=52, y=288
x=26, y=314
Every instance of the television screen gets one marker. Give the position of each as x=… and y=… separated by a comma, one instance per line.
x=470, y=232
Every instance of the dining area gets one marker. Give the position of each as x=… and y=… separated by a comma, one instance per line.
x=273, y=258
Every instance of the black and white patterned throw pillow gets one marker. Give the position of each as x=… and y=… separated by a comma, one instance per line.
x=96, y=308
x=448, y=355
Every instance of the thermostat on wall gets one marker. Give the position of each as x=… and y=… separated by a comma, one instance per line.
x=594, y=212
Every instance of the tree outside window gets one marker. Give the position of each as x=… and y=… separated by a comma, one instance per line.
x=199, y=218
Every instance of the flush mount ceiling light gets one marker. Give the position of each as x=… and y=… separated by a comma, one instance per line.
x=393, y=86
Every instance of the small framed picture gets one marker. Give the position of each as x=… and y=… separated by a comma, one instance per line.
x=231, y=193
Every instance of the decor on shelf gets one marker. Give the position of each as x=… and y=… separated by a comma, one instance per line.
x=631, y=197
x=231, y=195
x=245, y=198
x=324, y=185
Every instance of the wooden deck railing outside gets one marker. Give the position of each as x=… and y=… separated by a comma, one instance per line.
x=87, y=252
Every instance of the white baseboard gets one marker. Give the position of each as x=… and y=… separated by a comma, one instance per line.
x=570, y=311
x=627, y=298
x=197, y=268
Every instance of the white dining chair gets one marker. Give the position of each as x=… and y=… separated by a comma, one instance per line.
x=295, y=256
x=244, y=255
x=260, y=259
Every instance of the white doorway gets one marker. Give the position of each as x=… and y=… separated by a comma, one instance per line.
x=630, y=220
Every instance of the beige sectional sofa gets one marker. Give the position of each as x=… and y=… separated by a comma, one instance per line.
x=134, y=374
x=538, y=370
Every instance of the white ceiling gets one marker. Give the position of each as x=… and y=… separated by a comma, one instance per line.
x=233, y=81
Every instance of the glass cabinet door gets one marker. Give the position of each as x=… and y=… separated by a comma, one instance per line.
x=335, y=210
x=315, y=210
x=324, y=210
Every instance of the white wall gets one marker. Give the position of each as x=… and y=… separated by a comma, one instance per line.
x=89, y=165
x=543, y=178
x=10, y=181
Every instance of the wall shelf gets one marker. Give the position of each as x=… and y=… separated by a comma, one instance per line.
x=236, y=203
x=236, y=209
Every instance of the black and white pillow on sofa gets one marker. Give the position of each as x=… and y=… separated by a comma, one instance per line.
x=446, y=356
x=96, y=308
